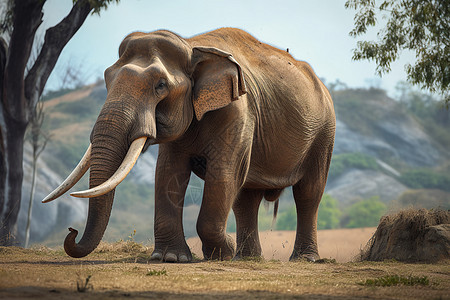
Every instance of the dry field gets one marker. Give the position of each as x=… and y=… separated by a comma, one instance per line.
x=122, y=270
x=343, y=245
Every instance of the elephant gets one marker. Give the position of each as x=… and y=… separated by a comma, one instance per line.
x=244, y=116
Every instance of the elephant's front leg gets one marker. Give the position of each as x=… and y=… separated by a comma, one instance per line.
x=218, y=198
x=172, y=178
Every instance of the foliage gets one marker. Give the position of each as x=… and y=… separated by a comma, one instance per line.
x=420, y=26
x=391, y=280
x=97, y=5
x=287, y=220
x=423, y=178
x=342, y=162
x=365, y=213
x=329, y=215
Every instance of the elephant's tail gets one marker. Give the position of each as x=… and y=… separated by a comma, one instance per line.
x=273, y=196
x=275, y=212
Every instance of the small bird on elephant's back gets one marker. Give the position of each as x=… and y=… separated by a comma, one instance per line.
x=246, y=117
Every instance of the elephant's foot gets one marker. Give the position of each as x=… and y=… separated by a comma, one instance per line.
x=248, y=251
x=167, y=254
x=219, y=251
x=310, y=255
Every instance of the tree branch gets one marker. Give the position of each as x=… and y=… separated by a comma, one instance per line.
x=55, y=40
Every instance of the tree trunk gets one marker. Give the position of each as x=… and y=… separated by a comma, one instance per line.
x=14, y=147
x=3, y=56
x=2, y=178
x=19, y=94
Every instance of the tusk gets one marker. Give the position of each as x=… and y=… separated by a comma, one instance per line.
x=122, y=172
x=73, y=178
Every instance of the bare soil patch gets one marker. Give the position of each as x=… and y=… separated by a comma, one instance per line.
x=123, y=270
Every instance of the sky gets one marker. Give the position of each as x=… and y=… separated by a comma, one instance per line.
x=314, y=31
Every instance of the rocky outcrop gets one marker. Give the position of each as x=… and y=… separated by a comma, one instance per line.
x=356, y=184
x=401, y=138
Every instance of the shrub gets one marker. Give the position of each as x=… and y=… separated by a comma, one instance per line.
x=366, y=213
x=342, y=162
x=287, y=220
x=419, y=179
x=329, y=213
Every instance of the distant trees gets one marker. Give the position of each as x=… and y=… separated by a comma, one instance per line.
x=329, y=215
x=421, y=26
x=355, y=160
x=22, y=81
x=365, y=213
x=425, y=179
x=287, y=220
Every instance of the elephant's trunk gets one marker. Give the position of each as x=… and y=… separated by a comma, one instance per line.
x=110, y=143
x=104, y=162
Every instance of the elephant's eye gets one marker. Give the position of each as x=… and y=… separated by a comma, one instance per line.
x=161, y=84
x=161, y=89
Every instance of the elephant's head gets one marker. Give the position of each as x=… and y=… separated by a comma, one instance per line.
x=154, y=90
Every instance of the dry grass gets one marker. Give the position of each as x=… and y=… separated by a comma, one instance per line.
x=70, y=97
x=123, y=270
x=413, y=235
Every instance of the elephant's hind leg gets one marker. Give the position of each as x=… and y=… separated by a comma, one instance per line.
x=307, y=205
x=245, y=209
x=307, y=194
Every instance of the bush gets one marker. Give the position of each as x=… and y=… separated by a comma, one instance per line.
x=342, y=162
x=366, y=213
x=287, y=220
x=420, y=179
x=329, y=213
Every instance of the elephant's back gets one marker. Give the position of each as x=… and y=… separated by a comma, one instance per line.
x=243, y=46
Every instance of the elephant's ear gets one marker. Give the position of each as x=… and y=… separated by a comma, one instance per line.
x=218, y=80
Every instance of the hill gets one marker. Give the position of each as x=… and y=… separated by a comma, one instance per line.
x=397, y=152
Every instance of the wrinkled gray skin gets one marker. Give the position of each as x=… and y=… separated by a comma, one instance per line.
x=249, y=124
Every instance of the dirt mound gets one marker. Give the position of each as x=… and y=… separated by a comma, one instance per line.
x=411, y=236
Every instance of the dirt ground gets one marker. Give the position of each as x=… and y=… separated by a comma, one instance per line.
x=123, y=270
x=343, y=245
